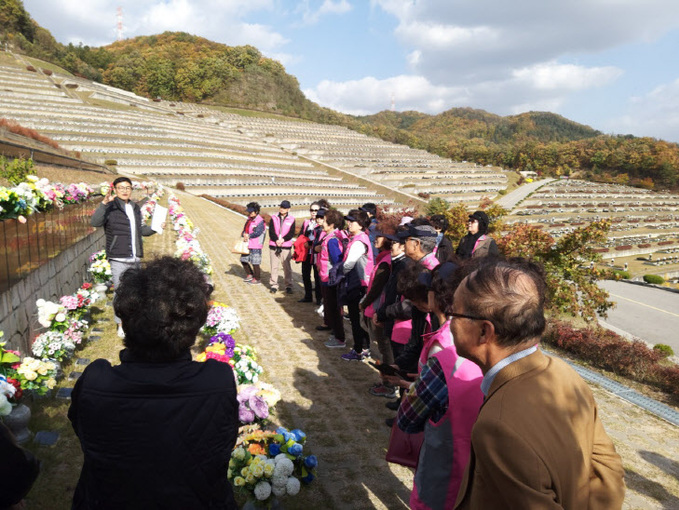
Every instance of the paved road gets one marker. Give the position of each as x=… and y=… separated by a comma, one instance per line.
x=644, y=312
x=510, y=200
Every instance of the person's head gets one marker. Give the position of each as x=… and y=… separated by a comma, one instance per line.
x=442, y=282
x=333, y=220
x=439, y=222
x=370, y=208
x=418, y=240
x=478, y=223
x=398, y=241
x=284, y=208
x=357, y=221
x=383, y=243
x=323, y=203
x=162, y=306
x=252, y=209
x=411, y=285
x=498, y=309
x=313, y=210
x=123, y=188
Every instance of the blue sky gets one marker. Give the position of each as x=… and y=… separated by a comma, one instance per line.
x=610, y=64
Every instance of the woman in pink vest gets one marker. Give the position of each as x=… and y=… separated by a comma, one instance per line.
x=357, y=267
x=329, y=256
x=281, y=232
x=253, y=233
x=444, y=401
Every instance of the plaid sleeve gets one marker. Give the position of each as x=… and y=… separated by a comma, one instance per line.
x=426, y=399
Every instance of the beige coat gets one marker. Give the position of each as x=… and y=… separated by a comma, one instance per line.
x=538, y=443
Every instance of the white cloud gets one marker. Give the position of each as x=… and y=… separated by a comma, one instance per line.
x=544, y=86
x=654, y=114
x=328, y=7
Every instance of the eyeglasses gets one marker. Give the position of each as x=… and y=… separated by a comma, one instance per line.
x=454, y=315
x=313, y=210
x=123, y=188
x=472, y=221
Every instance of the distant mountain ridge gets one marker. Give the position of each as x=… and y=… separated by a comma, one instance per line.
x=180, y=66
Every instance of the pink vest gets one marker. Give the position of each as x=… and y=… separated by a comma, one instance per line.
x=443, y=336
x=317, y=256
x=255, y=243
x=324, y=257
x=482, y=238
x=447, y=443
x=365, y=270
x=383, y=256
x=429, y=261
x=281, y=231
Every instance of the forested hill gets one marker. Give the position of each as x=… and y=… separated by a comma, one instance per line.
x=180, y=66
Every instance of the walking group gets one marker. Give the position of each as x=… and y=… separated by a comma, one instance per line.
x=491, y=422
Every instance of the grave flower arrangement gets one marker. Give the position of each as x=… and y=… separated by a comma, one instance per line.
x=53, y=345
x=220, y=319
x=220, y=347
x=52, y=315
x=266, y=464
x=100, y=269
x=36, y=375
x=256, y=402
x=244, y=363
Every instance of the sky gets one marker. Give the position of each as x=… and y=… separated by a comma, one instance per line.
x=609, y=64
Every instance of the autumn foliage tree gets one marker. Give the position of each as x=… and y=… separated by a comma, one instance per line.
x=572, y=284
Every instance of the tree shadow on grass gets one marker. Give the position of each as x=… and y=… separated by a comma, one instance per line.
x=651, y=489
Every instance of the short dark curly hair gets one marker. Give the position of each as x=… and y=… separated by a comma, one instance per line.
x=255, y=206
x=439, y=221
x=361, y=218
x=162, y=306
x=334, y=217
x=409, y=284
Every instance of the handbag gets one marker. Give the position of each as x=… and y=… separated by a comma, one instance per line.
x=404, y=448
x=240, y=247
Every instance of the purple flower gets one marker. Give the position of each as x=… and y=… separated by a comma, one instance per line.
x=246, y=392
x=258, y=405
x=245, y=415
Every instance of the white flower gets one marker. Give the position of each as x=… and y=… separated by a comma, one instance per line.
x=262, y=490
x=284, y=466
x=5, y=406
x=278, y=491
x=292, y=486
x=279, y=481
x=60, y=317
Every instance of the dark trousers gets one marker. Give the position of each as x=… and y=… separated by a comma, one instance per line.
x=307, y=268
x=332, y=311
x=360, y=335
x=252, y=269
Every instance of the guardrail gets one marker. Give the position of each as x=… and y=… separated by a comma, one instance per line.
x=26, y=246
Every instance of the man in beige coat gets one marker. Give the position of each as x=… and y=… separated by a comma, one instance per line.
x=538, y=442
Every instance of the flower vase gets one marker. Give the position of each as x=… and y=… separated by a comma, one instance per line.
x=100, y=288
x=272, y=503
x=17, y=422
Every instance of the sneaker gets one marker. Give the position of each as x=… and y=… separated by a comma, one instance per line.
x=383, y=391
x=273, y=290
x=323, y=327
x=352, y=356
x=304, y=300
x=365, y=353
x=248, y=278
x=121, y=333
x=333, y=343
x=319, y=310
x=288, y=290
x=254, y=282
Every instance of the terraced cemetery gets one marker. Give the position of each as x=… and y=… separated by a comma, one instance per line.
x=244, y=158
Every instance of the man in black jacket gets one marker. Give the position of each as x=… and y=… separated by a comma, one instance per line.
x=121, y=219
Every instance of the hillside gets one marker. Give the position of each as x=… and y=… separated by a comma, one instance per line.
x=182, y=67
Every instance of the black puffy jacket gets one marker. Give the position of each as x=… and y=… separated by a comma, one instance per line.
x=155, y=435
x=116, y=224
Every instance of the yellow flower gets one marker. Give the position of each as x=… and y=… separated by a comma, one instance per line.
x=245, y=471
x=42, y=370
x=257, y=471
x=30, y=375
x=201, y=357
x=268, y=470
x=250, y=479
x=50, y=383
x=239, y=481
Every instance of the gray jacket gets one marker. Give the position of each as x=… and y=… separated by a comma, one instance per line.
x=116, y=224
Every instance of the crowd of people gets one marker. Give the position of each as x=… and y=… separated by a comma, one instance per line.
x=502, y=425
x=454, y=333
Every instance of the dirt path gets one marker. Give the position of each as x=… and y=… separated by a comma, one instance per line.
x=328, y=399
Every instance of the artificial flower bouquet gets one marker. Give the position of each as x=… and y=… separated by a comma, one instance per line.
x=36, y=375
x=100, y=269
x=244, y=363
x=220, y=347
x=54, y=345
x=220, y=319
x=10, y=387
x=256, y=402
x=52, y=315
x=266, y=463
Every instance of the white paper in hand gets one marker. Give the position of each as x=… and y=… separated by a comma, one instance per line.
x=159, y=216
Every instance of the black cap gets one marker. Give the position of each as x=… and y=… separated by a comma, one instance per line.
x=348, y=217
x=479, y=216
x=320, y=213
x=285, y=204
x=417, y=231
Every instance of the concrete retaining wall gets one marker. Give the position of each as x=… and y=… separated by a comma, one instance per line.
x=60, y=276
